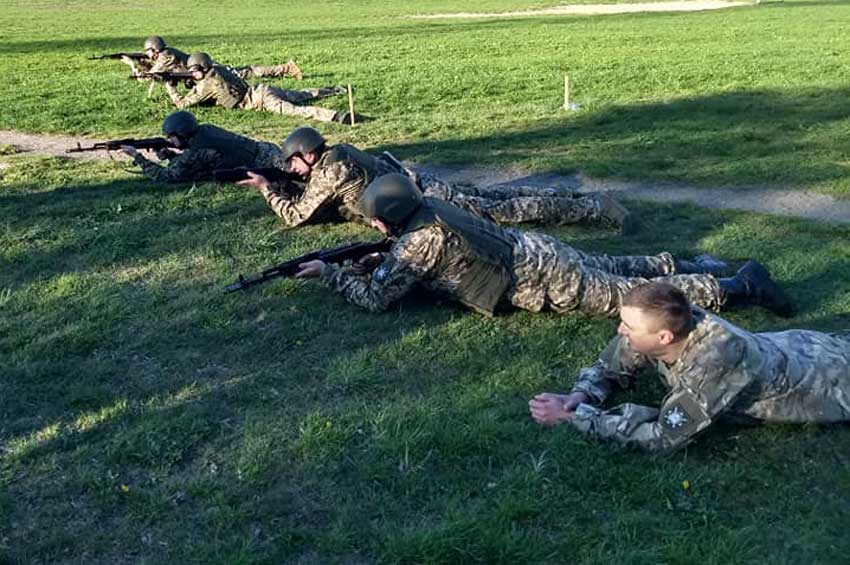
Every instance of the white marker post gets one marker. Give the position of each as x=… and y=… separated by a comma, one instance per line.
x=351, y=104
x=566, y=92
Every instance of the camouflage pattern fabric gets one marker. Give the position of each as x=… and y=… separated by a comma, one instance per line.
x=554, y=276
x=169, y=60
x=331, y=194
x=724, y=371
x=289, y=102
x=219, y=86
x=516, y=204
x=198, y=164
x=259, y=71
x=548, y=274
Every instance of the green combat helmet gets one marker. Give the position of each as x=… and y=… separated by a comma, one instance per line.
x=302, y=140
x=199, y=60
x=391, y=198
x=154, y=42
x=182, y=124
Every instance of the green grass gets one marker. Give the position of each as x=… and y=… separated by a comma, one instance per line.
x=147, y=417
x=739, y=97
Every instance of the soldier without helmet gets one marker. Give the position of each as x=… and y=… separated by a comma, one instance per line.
x=713, y=369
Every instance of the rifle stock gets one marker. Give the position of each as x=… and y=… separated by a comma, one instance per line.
x=151, y=143
x=334, y=255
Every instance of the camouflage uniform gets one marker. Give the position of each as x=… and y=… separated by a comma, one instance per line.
x=332, y=193
x=171, y=60
x=339, y=178
x=259, y=71
x=724, y=371
x=517, y=204
x=221, y=150
x=543, y=273
x=222, y=87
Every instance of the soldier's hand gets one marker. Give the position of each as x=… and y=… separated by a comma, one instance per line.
x=165, y=154
x=310, y=269
x=548, y=409
x=128, y=61
x=255, y=180
x=130, y=150
x=367, y=263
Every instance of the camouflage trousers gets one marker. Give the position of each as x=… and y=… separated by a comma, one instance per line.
x=258, y=71
x=552, y=275
x=516, y=204
x=290, y=102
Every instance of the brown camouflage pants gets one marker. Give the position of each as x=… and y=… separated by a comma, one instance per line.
x=259, y=71
x=551, y=274
x=516, y=204
x=289, y=102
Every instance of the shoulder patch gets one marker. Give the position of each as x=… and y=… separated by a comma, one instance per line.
x=683, y=416
x=675, y=417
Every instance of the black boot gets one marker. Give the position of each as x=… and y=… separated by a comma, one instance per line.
x=753, y=285
x=705, y=264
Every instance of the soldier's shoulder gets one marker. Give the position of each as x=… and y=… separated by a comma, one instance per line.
x=175, y=54
x=336, y=154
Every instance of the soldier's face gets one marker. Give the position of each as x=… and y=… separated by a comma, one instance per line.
x=643, y=331
x=152, y=53
x=380, y=226
x=299, y=165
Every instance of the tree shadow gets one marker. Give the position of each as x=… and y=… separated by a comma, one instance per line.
x=759, y=137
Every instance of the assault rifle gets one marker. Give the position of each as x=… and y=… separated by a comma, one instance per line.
x=272, y=174
x=335, y=255
x=166, y=76
x=149, y=143
x=134, y=56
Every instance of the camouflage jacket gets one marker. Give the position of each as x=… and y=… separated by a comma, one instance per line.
x=218, y=87
x=724, y=371
x=199, y=164
x=437, y=260
x=169, y=60
x=331, y=194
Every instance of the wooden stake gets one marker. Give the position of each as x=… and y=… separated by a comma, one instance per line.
x=351, y=104
x=566, y=92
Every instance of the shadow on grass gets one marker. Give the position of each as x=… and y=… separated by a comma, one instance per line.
x=737, y=138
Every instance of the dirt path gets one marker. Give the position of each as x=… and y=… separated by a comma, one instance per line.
x=780, y=202
x=596, y=9
x=46, y=144
x=802, y=204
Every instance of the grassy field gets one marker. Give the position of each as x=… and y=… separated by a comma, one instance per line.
x=146, y=417
x=748, y=96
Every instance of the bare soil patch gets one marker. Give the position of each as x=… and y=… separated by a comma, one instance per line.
x=597, y=9
x=781, y=202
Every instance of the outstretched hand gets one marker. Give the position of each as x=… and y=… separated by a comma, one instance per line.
x=255, y=180
x=310, y=269
x=548, y=409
